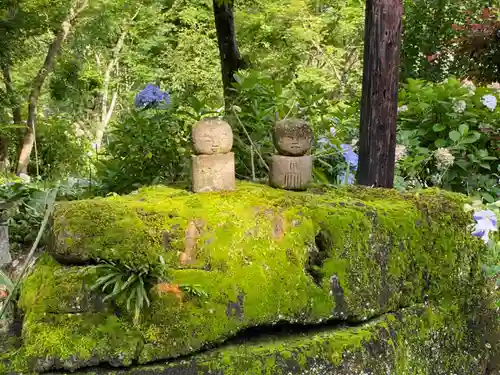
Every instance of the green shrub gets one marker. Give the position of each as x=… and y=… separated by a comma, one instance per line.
x=145, y=147
x=62, y=149
x=448, y=130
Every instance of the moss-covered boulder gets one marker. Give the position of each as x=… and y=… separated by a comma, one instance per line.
x=261, y=255
x=419, y=340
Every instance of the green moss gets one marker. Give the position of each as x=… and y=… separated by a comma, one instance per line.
x=52, y=288
x=415, y=341
x=74, y=341
x=262, y=255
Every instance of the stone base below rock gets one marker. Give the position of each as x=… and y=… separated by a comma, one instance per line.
x=415, y=341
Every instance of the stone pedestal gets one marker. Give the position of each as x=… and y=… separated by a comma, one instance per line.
x=213, y=172
x=290, y=172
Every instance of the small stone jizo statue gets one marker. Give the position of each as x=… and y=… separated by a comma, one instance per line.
x=292, y=168
x=213, y=165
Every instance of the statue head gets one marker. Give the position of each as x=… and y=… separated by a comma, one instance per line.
x=212, y=136
x=293, y=137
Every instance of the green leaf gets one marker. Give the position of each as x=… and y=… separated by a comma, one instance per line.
x=488, y=197
x=143, y=292
x=454, y=136
x=462, y=164
x=473, y=137
x=485, y=166
x=129, y=282
x=438, y=127
x=100, y=281
x=440, y=143
x=110, y=282
x=131, y=297
x=463, y=129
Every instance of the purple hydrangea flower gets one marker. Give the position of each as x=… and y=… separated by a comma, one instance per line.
x=151, y=95
x=486, y=222
x=350, y=156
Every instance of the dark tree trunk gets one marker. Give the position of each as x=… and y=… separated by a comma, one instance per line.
x=230, y=57
x=379, y=100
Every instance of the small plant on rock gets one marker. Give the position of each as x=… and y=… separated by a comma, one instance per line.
x=126, y=284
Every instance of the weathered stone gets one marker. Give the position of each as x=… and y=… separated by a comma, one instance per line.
x=5, y=257
x=213, y=172
x=290, y=172
x=292, y=137
x=426, y=341
x=262, y=256
x=212, y=136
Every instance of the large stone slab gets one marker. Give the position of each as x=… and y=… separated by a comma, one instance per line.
x=262, y=255
x=420, y=340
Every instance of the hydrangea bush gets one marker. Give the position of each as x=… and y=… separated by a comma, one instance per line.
x=147, y=145
x=449, y=132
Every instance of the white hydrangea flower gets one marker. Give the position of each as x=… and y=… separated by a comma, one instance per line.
x=400, y=152
x=403, y=108
x=459, y=106
x=444, y=158
x=25, y=177
x=490, y=101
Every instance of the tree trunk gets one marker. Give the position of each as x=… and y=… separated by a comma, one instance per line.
x=77, y=7
x=106, y=112
x=377, y=138
x=230, y=57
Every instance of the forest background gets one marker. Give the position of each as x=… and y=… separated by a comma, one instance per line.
x=72, y=72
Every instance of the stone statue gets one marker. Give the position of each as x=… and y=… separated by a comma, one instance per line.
x=292, y=169
x=213, y=164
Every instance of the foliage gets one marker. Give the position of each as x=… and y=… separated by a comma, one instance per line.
x=23, y=209
x=262, y=100
x=194, y=289
x=63, y=148
x=477, y=44
x=428, y=30
x=6, y=287
x=447, y=129
x=126, y=284
x=23, y=204
x=145, y=147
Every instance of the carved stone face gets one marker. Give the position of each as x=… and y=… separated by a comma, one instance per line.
x=293, y=137
x=212, y=136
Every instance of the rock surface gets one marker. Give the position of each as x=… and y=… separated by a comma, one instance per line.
x=262, y=256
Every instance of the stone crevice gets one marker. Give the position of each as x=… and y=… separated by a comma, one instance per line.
x=247, y=336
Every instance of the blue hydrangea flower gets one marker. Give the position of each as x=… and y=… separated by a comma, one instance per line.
x=350, y=178
x=350, y=156
x=486, y=222
x=150, y=96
